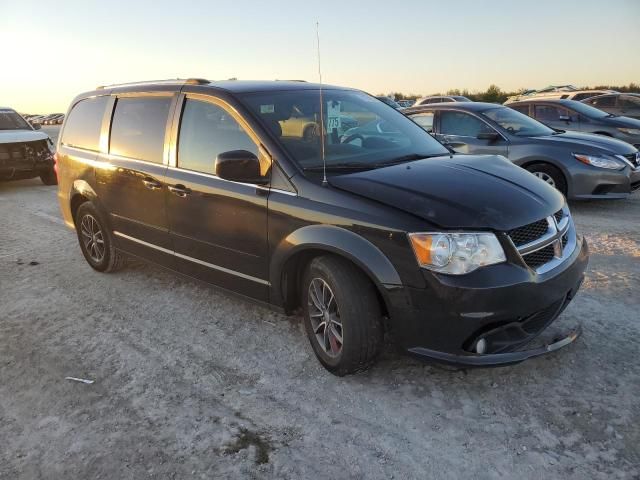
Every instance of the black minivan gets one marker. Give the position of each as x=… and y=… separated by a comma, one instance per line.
x=461, y=259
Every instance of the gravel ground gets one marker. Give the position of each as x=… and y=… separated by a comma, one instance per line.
x=194, y=383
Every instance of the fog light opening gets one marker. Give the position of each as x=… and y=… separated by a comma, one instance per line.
x=481, y=346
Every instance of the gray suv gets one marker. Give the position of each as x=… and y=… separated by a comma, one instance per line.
x=581, y=166
x=580, y=117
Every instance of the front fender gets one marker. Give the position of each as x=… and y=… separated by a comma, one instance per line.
x=336, y=240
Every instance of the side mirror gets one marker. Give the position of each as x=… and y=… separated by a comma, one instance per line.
x=491, y=136
x=36, y=126
x=239, y=166
x=564, y=118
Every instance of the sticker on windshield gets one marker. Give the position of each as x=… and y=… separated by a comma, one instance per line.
x=333, y=116
x=267, y=108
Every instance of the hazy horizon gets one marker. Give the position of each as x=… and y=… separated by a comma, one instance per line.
x=58, y=50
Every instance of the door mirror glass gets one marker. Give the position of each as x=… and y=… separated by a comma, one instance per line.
x=239, y=166
x=36, y=126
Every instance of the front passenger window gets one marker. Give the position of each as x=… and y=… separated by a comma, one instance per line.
x=425, y=120
x=207, y=130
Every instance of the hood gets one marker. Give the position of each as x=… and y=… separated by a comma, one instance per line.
x=12, y=136
x=625, y=122
x=578, y=141
x=464, y=191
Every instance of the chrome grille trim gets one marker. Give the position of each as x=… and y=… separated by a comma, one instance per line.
x=561, y=234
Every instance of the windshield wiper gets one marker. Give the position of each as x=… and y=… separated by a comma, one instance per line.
x=339, y=166
x=407, y=158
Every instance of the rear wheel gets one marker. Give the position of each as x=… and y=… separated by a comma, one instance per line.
x=96, y=241
x=549, y=174
x=49, y=177
x=342, y=317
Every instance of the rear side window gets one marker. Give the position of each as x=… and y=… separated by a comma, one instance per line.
x=84, y=122
x=521, y=108
x=462, y=124
x=207, y=130
x=608, y=101
x=138, y=127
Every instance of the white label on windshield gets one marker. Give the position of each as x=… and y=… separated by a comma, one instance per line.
x=333, y=116
x=267, y=108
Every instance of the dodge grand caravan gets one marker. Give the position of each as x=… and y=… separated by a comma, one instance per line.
x=461, y=259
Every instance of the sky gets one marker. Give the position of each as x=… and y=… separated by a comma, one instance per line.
x=51, y=50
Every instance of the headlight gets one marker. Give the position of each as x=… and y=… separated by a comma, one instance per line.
x=600, y=161
x=630, y=131
x=456, y=253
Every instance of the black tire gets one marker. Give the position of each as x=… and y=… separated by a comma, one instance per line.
x=111, y=259
x=545, y=169
x=49, y=177
x=357, y=309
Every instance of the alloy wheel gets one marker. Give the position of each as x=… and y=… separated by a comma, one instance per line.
x=325, y=317
x=92, y=238
x=545, y=177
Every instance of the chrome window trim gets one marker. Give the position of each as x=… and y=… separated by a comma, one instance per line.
x=194, y=260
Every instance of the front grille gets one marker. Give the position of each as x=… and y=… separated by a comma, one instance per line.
x=23, y=153
x=539, y=320
x=633, y=158
x=529, y=233
x=539, y=257
x=558, y=215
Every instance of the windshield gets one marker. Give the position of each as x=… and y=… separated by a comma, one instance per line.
x=587, y=110
x=517, y=123
x=10, y=120
x=361, y=132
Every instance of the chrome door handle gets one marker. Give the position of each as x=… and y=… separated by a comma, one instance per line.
x=151, y=184
x=180, y=190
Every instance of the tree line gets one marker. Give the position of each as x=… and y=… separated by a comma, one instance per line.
x=494, y=94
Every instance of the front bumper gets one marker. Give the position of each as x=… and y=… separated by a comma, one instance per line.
x=597, y=183
x=506, y=304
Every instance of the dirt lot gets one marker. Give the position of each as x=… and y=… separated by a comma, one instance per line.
x=193, y=383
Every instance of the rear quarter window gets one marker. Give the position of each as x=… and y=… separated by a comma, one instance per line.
x=138, y=127
x=83, y=124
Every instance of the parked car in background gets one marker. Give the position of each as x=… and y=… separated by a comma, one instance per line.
x=24, y=152
x=580, y=117
x=300, y=125
x=390, y=101
x=53, y=119
x=581, y=166
x=36, y=119
x=465, y=258
x=406, y=103
x=620, y=104
x=60, y=120
x=564, y=92
x=440, y=99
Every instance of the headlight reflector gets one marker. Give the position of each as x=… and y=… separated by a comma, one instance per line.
x=456, y=253
x=600, y=161
x=630, y=131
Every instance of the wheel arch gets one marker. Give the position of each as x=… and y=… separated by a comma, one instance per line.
x=294, y=253
x=81, y=192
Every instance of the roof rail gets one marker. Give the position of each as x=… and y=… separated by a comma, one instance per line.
x=187, y=81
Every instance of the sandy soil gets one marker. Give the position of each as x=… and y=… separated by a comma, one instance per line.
x=193, y=383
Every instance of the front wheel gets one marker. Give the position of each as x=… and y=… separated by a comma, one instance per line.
x=549, y=174
x=342, y=315
x=96, y=241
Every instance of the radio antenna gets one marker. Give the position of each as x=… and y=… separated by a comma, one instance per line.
x=322, y=152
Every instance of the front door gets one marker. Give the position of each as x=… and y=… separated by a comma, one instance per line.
x=218, y=227
x=556, y=117
x=131, y=177
x=466, y=133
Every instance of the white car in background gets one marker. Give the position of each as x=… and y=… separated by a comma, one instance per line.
x=563, y=92
x=24, y=152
